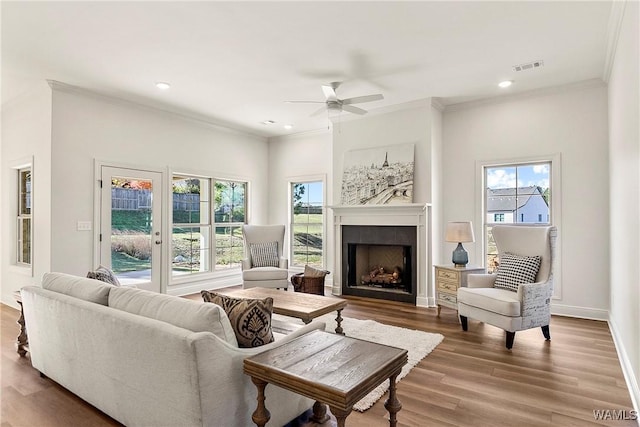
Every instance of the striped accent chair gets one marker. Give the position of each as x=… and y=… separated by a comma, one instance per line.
x=264, y=264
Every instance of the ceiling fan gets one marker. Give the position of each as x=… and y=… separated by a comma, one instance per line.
x=333, y=103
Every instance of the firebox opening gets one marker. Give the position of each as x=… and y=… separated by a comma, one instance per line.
x=385, y=267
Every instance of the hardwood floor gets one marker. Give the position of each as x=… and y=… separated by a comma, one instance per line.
x=470, y=379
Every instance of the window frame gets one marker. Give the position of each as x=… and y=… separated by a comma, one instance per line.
x=212, y=225
x=22, y=216
x=306, y=179
x=555, y=208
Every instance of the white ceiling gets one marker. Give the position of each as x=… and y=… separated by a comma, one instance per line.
x=235, y=63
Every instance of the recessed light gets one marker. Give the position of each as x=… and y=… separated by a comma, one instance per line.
x=505, y=83
x=163, y=85
x=288, y=127
x=268, y=122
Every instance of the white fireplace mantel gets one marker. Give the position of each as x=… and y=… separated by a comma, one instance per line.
x=413, y=214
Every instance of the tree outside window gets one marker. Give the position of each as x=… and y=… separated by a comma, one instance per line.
x=307, y=223
x=24, y=217
x=230, y=206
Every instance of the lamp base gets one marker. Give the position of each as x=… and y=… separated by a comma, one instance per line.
x=460, y=257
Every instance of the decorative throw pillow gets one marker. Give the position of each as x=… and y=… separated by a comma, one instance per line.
x=313, y=272
x=515, y=270
x=264, y=254
x=104, y=274
x=250, y=318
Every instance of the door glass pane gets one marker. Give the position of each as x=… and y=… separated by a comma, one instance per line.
x=307, y=226
x=131, y=222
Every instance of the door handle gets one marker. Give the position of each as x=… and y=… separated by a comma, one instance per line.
x=158, y=242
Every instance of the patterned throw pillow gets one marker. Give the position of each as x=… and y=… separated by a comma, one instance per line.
x=250, y=318
x=264, y=254
x=515, y=270
x=104, y=275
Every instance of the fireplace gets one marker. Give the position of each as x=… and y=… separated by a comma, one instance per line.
x=379, y=262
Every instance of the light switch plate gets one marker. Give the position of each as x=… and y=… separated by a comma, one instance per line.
x=84, y=225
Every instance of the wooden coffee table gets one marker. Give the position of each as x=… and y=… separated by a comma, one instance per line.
x=332, y=369
x=297, y=304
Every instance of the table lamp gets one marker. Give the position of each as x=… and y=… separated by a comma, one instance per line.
x=459, y=232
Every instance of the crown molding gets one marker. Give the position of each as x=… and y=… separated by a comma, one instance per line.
x=613, y=34
x=170, y=111
x=585, y=84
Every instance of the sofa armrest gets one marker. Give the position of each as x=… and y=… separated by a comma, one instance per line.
x=284, y=263
x=481, y=280
x=246, y=264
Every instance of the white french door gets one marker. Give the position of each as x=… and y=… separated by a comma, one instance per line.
x=131, y=225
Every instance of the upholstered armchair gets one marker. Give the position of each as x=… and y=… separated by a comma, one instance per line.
x=263, y=265
x=518, y=296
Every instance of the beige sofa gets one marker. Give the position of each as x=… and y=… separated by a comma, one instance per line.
x=148, y=359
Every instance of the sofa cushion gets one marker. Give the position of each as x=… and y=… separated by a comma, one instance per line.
x=250, y=318
x=264, y=254
x=265, y=273
x=181, y=312
x=79, y=287
x=501, y=301
x=515, y=270
x=104, y=274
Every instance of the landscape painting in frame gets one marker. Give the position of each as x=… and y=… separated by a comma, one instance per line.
x=378, y=176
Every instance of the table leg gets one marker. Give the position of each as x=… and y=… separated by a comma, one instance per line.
x=22, y=341
x=339, y=323
x=320, y=415
x=392, y=403
x=341, y=415
x=261, y=415
x=439, y=307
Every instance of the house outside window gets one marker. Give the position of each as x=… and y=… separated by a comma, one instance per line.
x=307, y=223
x=515, y=194
x=208, y=215
x=24, y=228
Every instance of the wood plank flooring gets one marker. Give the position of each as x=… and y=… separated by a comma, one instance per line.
x=470, y=379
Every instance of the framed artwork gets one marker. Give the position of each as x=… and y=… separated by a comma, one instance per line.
x=378, y=176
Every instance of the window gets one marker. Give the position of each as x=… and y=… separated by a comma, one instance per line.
x=24, y=228
x=307, y=223
x=515, y=194
x=191, y=233
x=196, y=201
x=230, y=215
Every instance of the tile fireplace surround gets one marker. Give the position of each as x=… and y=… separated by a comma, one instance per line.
x=414, y=214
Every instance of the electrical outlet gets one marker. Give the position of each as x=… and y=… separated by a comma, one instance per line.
x=84, y=225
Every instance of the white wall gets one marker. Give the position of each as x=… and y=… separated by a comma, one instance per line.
x=296, y=157
x=26, y=134
x=624, y=158
x=571, y=121
x=86, y=127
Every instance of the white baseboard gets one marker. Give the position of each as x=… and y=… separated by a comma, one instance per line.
x=581, y=312
x=627, y=368
x=425, y=302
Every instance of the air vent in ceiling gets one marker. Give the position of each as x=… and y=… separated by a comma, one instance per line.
x=528, y=66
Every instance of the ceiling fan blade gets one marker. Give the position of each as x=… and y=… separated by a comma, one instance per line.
x=305, y=102
x=354, y=110
x=329, y=93
x=318, y=112
x=360, y=99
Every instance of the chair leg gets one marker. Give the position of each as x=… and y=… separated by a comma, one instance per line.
x=545, y=332
x=463, y=321
x=510, y=337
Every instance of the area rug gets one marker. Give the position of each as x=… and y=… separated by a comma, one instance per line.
x=417, y=343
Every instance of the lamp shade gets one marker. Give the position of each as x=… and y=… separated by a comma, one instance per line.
x=459, y=232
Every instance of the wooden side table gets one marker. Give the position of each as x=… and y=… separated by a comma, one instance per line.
x=330, y=368
x=22, y=342
x=448, y=279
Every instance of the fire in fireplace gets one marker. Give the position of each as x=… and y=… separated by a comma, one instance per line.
x=379, y=261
